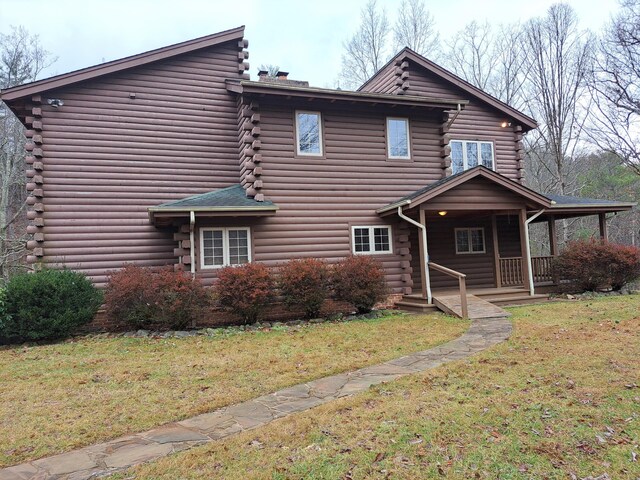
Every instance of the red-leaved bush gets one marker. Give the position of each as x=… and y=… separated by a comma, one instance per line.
x=592, y=264
x=359, y=280
x=304, y=283
x=145, y=297
x=245, y=290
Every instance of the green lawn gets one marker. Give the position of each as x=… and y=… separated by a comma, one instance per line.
x=559, y=400
x=59, y=397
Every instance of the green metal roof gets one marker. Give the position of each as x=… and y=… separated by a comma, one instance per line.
x=225, y=199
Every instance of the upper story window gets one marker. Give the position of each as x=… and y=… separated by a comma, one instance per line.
x=371, y=240
x=470, y=240
x=398, y=138
x=309, y=133
x=220, y=247
x=466, y=154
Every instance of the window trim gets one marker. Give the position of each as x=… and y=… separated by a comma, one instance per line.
x=471, y=251
x=225, y=246
x=398, y=157
x=320, y=134
x=464, y=151
x=372, y=243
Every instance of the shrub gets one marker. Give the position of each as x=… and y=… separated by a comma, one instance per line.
x=4, y=315
x=359, y=280
x=48, y=304
x=304, y=283
x=144, y=297
x=592, y=265
x=245, y=290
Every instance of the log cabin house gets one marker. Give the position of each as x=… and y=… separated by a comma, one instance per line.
x=175, y=156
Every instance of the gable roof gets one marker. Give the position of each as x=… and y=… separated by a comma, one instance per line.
x=406, y=53
x=88, y=73
x=441, y=186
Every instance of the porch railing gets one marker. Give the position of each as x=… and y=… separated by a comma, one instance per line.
x=541, y=267
x=512, y=270
x=462, y=284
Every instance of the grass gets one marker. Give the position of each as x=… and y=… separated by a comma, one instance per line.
x=559, y=400
x=59, y=397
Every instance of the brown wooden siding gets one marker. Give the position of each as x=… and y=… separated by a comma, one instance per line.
x=509, y=236
x=477, y=121
x=108, y=156
x=479, y=267
x=476, y=194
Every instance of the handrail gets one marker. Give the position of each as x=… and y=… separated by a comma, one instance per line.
x=462, y=283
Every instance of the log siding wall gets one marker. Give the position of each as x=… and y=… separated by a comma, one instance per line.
x=130, y=140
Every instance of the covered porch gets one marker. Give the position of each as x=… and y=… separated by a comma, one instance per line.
x=471, y=233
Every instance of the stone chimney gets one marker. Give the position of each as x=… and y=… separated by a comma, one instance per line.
x=281, y=78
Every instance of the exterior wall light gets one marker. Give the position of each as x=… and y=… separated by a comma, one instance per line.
x=55, y=102
x=442, y=213
x=505, y=124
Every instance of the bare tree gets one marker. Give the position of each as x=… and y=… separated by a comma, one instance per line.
x=415, y=28
x=557, y=60
x=22, y=58
x=509, y=74
x=271, y=69
x=366, y=51
x=470, y=54
x=615, y=87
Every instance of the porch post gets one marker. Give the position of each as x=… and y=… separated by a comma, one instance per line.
x=602, y=220
x=524, y=264
x=423, y=262
x=496, y=251
x=553, y=239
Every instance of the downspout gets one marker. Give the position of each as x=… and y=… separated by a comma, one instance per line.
x=528, y=250
x=423, y=228
x=192, y=250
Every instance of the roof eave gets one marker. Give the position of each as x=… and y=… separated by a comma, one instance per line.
x=406, y=52
x=249, y=87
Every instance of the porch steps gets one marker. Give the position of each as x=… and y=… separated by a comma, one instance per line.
x=478, y=307
x=496, y=297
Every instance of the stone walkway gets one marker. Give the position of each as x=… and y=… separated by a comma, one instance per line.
x=109, y=457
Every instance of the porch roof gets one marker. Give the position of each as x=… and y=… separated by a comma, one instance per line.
x=560, y=205
x=567, y=206
x=229, y=201
x=444, y=185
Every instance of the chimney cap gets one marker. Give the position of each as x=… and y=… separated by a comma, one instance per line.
x=282, y=73
x=263, y=72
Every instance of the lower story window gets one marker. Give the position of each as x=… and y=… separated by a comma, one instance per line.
x=371, y=240
x=470, y=240
x=220, y=247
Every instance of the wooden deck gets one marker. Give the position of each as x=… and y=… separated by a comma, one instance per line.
x=496, y=297
x=478, y=308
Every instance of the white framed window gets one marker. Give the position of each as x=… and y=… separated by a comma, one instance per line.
x=371, y=240
x=398, y=144
x=221, y=247
x=308, y=133
x=466, y=154
x=470, y=240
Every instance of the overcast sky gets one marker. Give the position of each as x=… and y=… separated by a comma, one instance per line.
x=302, y=37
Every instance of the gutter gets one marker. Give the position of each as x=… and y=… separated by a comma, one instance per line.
x=423, y=229
x=393, y=206
x=528, y=249
x=192, y=250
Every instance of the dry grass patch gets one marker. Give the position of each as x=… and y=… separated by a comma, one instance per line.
x=62, y=396
x=559, y=400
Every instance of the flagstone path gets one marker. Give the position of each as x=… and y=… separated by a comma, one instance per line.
x=105, y=458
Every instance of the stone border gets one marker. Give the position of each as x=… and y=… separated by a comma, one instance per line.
x=125, y=452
